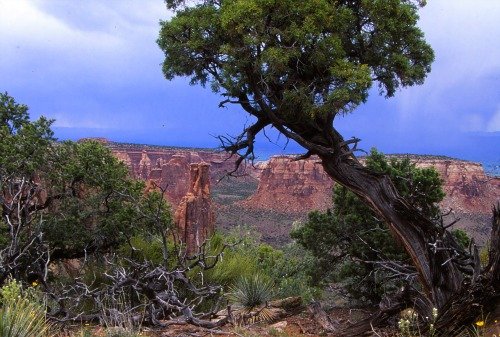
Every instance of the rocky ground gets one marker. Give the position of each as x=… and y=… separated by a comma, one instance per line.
x=295, y=325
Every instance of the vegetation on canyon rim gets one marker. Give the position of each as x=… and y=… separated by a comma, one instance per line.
x=352, y=245
x=294, y=66
x=297, y=66
x=80, y=233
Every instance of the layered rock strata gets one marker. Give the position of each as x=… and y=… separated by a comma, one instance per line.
x=286, y=187
x=168, y=168
x=292, y=186
x=301, y=186
x=468, y=189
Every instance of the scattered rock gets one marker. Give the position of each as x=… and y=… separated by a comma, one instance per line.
x=280, y=326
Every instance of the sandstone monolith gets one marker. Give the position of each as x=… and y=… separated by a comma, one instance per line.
x=194, y=218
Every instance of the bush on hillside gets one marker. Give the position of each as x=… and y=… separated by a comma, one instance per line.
x=352, y=245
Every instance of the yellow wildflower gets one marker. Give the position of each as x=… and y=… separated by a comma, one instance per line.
x=480, y=323
x=34, y=283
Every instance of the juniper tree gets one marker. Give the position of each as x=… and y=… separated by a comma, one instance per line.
x=297, y=66
x=351, y=244
x=60, y=200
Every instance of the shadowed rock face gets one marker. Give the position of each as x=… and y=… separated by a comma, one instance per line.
x=292, y=186
x=194, y=217
x=303, y=185
x=292, y=189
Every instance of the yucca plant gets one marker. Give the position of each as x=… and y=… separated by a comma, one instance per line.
x=20, y=313
x=23, y=318
x=250, y=292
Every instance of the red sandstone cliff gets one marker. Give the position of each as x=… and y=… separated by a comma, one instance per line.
x=168, y=168
x=468, y=189
x=292, y=186
x=194, y=218
x=296, y=186
x=301, y=186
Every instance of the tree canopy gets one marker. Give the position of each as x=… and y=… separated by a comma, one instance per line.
x=61, y=200
x=296, y=65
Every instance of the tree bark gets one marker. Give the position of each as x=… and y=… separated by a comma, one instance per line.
x=426, y=243
x=450, y=277
x=480, y=294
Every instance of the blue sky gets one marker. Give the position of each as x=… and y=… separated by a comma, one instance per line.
x=94, y=66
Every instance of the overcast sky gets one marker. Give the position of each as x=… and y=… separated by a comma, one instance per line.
x=94, y=66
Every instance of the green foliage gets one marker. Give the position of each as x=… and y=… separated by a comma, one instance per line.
x=12, y=115
x=76, y=198
x=20, y=315
x=237, y=260
x=316, y=60
x=296, y=65
x=24, y=144
x=252, y=291
x=234, y=265
x=348, y=241
x=462, y=238
x=10, y=292
x=145, y=248
x=100, y=202
x=288, y=268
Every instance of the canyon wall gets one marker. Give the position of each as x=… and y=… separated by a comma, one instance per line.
x=296, y=186
x=468, y=189
x=169, y=168
x=293, y=188
x=303, y=185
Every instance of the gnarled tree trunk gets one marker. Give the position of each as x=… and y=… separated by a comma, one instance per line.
x=451, y=278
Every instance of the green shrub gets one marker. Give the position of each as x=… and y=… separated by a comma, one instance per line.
x=462, y=237
x=234, y=265
x=348, y=240
x=10, y=292
x=21, y=316
x=288, y=268
x=146, y=248
x=253, y=291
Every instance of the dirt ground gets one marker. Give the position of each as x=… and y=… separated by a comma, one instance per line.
x=300, y=324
